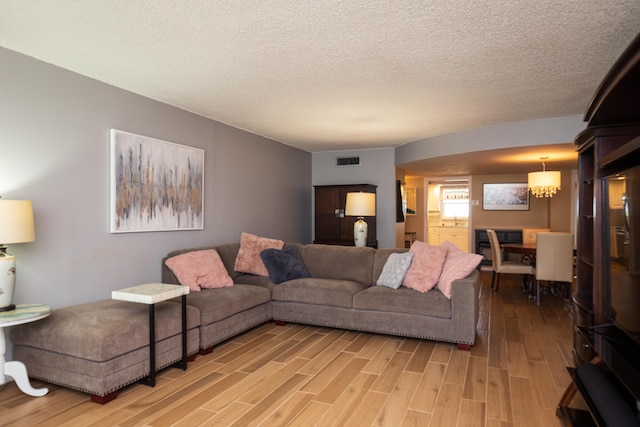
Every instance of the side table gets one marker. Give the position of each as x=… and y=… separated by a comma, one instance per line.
x=23, y=313
x=152, y=293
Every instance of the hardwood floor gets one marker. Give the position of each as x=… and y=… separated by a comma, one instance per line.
x=309, y=376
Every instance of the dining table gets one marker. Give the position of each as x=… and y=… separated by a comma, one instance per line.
x=520, y=248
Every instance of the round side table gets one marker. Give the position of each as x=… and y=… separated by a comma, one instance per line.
x=23, y=313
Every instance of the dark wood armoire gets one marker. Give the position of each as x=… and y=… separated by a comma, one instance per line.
x=332, y=226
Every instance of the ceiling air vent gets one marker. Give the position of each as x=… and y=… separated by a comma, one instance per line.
x=348, y=161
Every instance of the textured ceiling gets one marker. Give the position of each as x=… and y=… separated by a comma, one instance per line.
x=332, y=75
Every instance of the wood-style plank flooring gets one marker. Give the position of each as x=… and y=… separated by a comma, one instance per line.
x=297, y=375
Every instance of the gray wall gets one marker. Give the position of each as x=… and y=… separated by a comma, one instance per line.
x=378, y=168
x=54, y=140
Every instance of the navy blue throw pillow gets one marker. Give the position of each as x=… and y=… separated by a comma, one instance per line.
x=285, y=264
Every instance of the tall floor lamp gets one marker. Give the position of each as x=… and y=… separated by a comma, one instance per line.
x=16, y=226
x=360, y=204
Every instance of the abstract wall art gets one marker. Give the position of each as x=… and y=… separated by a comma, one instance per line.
x=155, y=185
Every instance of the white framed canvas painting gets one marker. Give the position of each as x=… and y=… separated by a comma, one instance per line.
x=155, y=185
x=505, y=197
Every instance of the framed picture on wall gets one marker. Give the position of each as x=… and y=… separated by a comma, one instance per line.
x=155, y=185
x=505, y=197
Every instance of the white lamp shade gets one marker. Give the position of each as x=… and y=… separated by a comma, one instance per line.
x=16, y=222
x=544, y=179
x=545, y=183
x=360, y=204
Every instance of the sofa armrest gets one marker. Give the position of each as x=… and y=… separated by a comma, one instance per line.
x=465, y=307
x=167, y=275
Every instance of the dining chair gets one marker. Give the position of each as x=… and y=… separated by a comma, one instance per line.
x=529, y=236
x=500, y=266
x=554, y=259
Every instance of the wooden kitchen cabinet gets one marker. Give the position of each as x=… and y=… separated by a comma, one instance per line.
x=434, y=236
x=459, y=236
x=433, y=198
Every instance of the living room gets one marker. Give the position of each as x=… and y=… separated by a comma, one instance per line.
x=58, y=123
x=55, y=137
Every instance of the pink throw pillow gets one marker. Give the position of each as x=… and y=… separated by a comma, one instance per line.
x=200, y=269
x=425, y=267
x=457, y=265
x=248, y=259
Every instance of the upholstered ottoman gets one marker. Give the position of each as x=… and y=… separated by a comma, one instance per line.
x=102, y=346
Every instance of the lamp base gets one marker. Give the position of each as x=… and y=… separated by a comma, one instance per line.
x=360, y=228
x=7, y=279
x=9, y=308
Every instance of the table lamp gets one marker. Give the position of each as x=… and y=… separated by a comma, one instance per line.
x=360, y=204
x=16, y=226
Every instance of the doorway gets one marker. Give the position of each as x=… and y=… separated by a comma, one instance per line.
x=448, y=211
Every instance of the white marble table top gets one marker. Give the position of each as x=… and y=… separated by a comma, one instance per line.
x=150, y=293
x=24, y=313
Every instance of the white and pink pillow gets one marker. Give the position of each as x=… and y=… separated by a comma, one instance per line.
x=426, y=266
x=457, y=265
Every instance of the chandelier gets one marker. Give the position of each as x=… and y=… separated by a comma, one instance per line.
x=545, y=183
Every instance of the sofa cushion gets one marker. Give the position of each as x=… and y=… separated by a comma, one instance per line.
x=285, y=264
x=228, y=253
x=332, y=292
x=403, y=300
x=426, y=266
x=200, y=269
x=340, y=262
x=252, y=279
x=457, y=265
x=218, y=304
x=394, y=270
x=248, y=259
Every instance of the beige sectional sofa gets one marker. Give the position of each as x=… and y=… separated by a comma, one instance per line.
x=341, y=292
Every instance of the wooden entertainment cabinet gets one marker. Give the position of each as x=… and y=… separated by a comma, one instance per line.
x=607, y=360
x=332, y=227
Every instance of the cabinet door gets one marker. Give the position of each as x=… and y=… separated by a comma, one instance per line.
x=434, y=236
x=446, y=234
x=461, y=240
x=457, y=236
x=328, y=214
x=433, y=198
x=346, y=225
